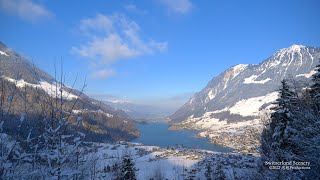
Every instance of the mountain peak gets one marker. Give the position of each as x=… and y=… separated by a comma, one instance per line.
x=245, y=83
x=239, y=66
x=292, y=49
x=295, y=47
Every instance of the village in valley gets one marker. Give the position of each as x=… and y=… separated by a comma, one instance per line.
x=169, y=162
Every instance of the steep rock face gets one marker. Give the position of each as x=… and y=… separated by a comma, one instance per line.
x=100, y=122
x=242, y=86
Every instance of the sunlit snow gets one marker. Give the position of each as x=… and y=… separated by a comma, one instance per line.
x=251, y=106
x=3, y=53
x=252, y=80
x=52, y=89
x=307, y=75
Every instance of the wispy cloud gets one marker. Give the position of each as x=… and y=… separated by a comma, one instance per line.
x=178, y=6
x=112, y=38
x=102, y=74
x=25, y=9
x=134, y=9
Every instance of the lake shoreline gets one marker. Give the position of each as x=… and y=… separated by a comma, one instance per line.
x=160, y=134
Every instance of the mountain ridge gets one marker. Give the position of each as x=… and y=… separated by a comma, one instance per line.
x=228, y=110
x=101, y=121
x=251, y=76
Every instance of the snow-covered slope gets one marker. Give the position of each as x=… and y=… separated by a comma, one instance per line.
x=17, y=71
x=239, y=93
x=153, y=162
x=3, y=53
x=51, y=89
x=242, y=82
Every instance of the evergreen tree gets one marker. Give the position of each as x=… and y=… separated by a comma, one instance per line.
x=127, y=169
x=293, y=133
x=277, y=138
x=282, y=120
x=315, y=88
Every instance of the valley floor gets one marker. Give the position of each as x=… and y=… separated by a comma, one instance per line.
x=169, y=163
x=241, y=136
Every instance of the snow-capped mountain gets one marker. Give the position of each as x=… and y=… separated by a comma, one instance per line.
x=243, y=89
x=109, y=122
x=234, y=98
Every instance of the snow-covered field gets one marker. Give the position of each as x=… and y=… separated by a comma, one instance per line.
x=105, y=161
x=170, y=163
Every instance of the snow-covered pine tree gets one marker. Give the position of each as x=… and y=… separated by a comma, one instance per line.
x=278, y=137
x=307, y=140
x=282, y=120
x=293, y=133
x=314, y=90
x=308, y=127
x=127, y=168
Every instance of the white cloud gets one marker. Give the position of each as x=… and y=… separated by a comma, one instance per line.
x=102, y=74
x=178, y=6
x=25, y=9
x=100, y=23
x=108, y=48
x=134, y=9
x=111, y=38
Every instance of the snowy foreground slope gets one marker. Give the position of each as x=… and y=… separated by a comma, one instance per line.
x=229, y=108
x=105, y=161
x=169, y=163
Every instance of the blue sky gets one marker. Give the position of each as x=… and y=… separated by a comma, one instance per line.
x=154, y=51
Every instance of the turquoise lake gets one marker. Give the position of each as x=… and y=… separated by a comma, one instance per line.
x=157, y=134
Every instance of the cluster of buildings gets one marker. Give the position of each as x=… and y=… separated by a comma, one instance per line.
x=244, y=140
x=189, y=154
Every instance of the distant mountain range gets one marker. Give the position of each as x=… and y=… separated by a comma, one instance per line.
x=100, y=121
x=234, y=99
x=141, y=112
